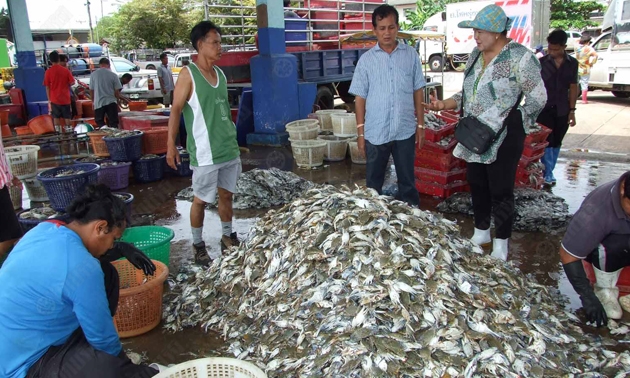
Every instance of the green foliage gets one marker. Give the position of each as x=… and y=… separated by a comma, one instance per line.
x=424, y=9
x=569, y=14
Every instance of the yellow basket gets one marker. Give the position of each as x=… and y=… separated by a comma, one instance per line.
x=140, y=301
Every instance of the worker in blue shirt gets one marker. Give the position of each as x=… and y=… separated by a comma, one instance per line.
x=389, y=87
x=60, y=292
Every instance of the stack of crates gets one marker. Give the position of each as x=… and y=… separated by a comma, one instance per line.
x=529, y=173
x=439, y=173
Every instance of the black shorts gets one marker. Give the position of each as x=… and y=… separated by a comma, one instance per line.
x=10, y=228
x=61, y=111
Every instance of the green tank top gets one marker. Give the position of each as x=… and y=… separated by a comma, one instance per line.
x=211, y=133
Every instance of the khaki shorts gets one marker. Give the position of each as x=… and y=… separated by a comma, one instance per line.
x=206, y=179
x=168, y=98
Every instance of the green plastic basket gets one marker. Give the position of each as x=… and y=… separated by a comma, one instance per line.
x=154, y=241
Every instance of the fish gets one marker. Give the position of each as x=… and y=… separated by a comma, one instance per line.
x=299, y=299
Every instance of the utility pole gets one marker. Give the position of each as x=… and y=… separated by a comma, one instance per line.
x=205, y=9
x=90, y=21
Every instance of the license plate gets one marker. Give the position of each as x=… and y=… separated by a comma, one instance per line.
x=134, y=96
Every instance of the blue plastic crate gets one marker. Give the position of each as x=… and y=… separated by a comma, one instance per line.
x=294, y=26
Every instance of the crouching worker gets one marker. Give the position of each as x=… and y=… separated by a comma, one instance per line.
x=60, y=292
x=600, y=234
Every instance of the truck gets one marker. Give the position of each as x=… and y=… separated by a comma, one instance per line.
x=530, y=27
x=148, y=59
x=611, y=72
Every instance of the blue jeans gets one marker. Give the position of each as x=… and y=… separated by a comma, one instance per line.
x=403, y=152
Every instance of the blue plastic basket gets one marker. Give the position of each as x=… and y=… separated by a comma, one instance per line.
x=128, y=203
x=125, y=149
x=149, y=170
x=116, y=177
x=28, y=224
x=63, y=190
x=183, y=169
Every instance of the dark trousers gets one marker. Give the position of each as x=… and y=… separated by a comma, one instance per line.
x=77, y=358
x=403, y=152
x=492, y=185
x=111, y=110
x=559, y=126
x=614, y=256
x=10, y=228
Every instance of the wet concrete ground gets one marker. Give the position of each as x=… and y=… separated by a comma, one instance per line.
x=534, y=253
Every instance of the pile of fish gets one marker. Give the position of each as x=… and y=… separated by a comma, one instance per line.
x=262, y=188
x=536, y=210
x=68, y=172
x=92, y=159
x=534, y=171
x=343, y=283
x=149, y=157
x=118, y=133
x=111, y=164
x=444, y=142
x=432, y=122
x=40, y=213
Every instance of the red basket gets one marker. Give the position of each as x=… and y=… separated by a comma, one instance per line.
x=144, y=123
x=87, y=109
x=530, y=150
x=439, y=162
x=438, y=135
x=538, y=184
x=538, y=136
x=523, y=173
x=137, y=105
x=439, y=177
x=23, y=130
x=42, y=124
x=527, y=160
x=154, y=141
x=623, y=283
x=442, y=191
x=438, y=149
x=6, y=131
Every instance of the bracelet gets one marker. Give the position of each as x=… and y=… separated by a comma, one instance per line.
x=421, y=127
x=360, y=125
x=360, y=135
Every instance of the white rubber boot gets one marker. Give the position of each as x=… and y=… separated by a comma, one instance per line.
x=481, y=237
x=500, y=249
x=625, y=303
x=607, y=291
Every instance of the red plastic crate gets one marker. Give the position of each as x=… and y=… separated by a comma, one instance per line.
x=523, y=173
x=527, y=160
x=623, y=283
x=538, y=136
x=440, y=162
x=438, y=135
x=530, y=150
x=538, y=184
x=356, y=23
x=450, y=114
x=144, y=123
x=442, y=191
x=439, y=177
x=438, y=149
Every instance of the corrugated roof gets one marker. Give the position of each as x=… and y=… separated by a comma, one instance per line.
x=60, y=19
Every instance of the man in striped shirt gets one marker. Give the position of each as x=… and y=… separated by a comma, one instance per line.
x=10, y=230
x=388, y=84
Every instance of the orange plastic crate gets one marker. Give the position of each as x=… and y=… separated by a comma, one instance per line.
x=154, y=141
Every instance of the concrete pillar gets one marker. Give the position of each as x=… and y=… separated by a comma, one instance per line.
x=274, y=78
x=28, y=76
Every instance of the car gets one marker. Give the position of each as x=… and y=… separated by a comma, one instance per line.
x=573, y=42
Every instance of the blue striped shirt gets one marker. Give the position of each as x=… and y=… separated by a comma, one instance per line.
x=387, y=83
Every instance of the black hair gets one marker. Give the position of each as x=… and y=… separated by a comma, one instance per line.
x=287, y=3
x=585, y=39
x=163, y=55
x=104, y=61
x=626, y=184
x=53, y=57
x=127, y=76
x=504, y=33
x=382, y=12
x=98, y=203
x=200, y=31
x=63, y=57
x=557, y=37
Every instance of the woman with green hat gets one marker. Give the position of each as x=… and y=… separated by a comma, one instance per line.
x=499, y=74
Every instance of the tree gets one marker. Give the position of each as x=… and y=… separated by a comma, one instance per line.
x=242, y=20
x=569, y=14
x=424, y=9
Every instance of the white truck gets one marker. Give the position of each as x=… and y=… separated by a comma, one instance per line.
x=530, y=27
x=611, y=72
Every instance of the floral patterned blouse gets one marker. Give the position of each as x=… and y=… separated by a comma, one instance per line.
x=514, y=70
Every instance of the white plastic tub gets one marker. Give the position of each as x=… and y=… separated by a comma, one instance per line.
x=344, y=124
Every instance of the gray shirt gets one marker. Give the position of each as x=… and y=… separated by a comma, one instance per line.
x=167, y=77
x=599, y=223
x=104, y=84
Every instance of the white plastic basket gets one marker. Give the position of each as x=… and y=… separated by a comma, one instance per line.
x=303, y=129
x=355, y=155
x=308, y=153
x=325, y=122
x=344, y=124
x=22, y=160
x=336, y=147
x=213, y=367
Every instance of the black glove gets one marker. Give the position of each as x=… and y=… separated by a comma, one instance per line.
x=135, y=256
x=592, y=306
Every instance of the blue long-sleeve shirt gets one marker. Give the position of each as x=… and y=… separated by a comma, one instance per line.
x=50, y=286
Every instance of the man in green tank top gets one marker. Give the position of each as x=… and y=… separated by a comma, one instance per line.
x=201, y=95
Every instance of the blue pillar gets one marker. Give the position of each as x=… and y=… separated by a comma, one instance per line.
x=28, y=76
x=274, y=78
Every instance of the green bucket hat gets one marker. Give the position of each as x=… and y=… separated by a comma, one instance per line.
x=491, y=18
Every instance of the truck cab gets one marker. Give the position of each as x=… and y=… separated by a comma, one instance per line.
x=611, y=72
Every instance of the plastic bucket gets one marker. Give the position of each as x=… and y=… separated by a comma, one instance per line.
x=303, y=129
x=336, y=147
x=325, y=122
x=22, y=160
x=355, y=154
x=308, y=153
x=344, y=124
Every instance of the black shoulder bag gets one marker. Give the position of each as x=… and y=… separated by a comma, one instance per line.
x=474, y=134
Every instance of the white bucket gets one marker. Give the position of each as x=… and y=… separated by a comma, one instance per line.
x=336, y=147
x=308, y=153
x=303, y=129
x=355, y=154
x=344, y=124
x=325, y=121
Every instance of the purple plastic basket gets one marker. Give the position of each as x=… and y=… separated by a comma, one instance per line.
x=63, y=190
x=116, y=177
x=149, y=170
x=125, y=149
